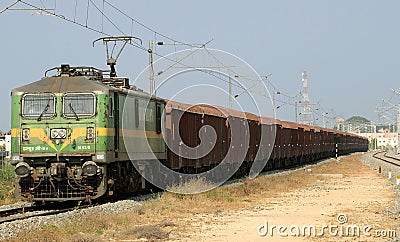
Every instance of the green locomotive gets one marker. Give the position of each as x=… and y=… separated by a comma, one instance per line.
x=68, y=142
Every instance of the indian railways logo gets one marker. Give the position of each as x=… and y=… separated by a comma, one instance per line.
x=215, y=104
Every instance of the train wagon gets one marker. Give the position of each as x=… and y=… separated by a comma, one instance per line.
x=83, y=134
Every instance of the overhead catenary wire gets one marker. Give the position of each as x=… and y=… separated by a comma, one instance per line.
x=86, y=25
x=9, y=6
x=133, y=44
x=156, y=33
x=41, y=2
x=145, y=26
x=105, y=16
x=76, y=6
x=87, y=13
x=175, y=62
x=64, y=18
x=102, y=19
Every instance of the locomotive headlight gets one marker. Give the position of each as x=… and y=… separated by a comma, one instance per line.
x=89, y=168
x=54, y=133
x=62, y=133
x=22, y=169
x=26, y=134
x=90, y=133
x=58, y=133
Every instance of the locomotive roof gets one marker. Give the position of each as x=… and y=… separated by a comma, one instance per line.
x=61, y=84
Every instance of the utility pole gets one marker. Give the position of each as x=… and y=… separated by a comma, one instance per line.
x=151, y=67
x=324, y=119
x=381, y=112
x=306, y=117
x=397, y=91
x=397, y=116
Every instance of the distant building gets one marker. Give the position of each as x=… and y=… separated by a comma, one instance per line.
x=355, y=125
x=383, y=138
x=5, y=146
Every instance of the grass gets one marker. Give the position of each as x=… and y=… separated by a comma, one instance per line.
x=158, y=218
x=7, y=184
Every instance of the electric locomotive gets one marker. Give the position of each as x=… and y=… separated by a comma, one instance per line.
x=68, y=139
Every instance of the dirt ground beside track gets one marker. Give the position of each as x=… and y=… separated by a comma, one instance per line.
x=360, y=195
x=335, y=198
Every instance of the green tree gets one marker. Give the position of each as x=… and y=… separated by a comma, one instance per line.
x=358, y=119
x=373, y=144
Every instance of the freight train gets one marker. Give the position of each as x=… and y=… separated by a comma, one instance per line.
x=69, y=141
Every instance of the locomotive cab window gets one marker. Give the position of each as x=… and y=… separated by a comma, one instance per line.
x=38, y=105
x=78, y=105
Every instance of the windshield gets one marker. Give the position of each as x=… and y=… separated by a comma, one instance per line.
x=76, y=105
x=38, y=105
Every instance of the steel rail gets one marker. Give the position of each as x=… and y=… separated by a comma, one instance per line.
x=386, y=160
x=14, y=214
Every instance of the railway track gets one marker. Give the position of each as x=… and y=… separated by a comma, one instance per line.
x=21, y=213
x=26, y=212
x=388, y=159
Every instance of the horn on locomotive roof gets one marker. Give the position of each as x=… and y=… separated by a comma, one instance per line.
x=111, y=61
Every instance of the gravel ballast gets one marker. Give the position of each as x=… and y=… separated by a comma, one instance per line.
x=12, y=229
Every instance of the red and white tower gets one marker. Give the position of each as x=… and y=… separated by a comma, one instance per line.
x=305, y=117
